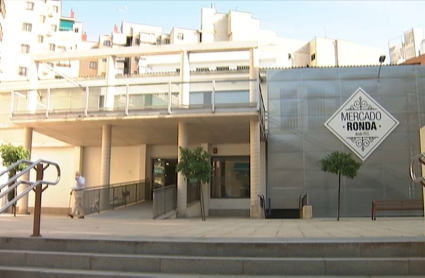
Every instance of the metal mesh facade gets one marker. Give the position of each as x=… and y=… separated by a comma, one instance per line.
x=301, y=100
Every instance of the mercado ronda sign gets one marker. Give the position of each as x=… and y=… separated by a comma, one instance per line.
x=361, y=123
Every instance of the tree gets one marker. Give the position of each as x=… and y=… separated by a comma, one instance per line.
x=11, y=154
x=195, y=167
x=341, y=164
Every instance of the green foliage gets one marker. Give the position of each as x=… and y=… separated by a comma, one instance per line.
x=11, y=154
x=195, y=165
x=341, y=164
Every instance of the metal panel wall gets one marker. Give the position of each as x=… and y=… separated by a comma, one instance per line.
x=302, y=100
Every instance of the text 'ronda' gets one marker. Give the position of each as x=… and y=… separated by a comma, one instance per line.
x=361, y=120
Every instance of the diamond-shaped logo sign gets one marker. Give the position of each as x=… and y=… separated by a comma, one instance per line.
x=361, y=123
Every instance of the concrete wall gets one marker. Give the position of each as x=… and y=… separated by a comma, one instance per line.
x=126, y=165
x=55, y=197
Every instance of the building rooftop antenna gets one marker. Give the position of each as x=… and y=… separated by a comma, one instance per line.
x=123, y=10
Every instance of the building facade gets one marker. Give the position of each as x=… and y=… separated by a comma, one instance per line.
x=301, y=101
x=133, y=107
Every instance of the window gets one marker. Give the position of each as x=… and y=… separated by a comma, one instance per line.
x=137, y=41
x=223, y=68
x=313, y=56
x=93, y=65
x=56, y=9
x=107, y=43
x=180, y=36
x=27, y=27
x=53, y=28
x=167, y=41
x=25, y=48
x=76, y=30
x=230, y=177
x=40, y=39
x=42, y=19
x=242, y=67
x=23, y=71
x=104, y=60
x=30, y=6
x=52, y=47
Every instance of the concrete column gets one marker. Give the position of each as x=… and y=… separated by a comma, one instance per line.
x=142, y=171
x=253, y=74
x=105, y=164
x=206, y=188
x=181, y=181
x=255, y=167
x=110, y=81
x=142, y=162
x=23, y=202
x=184, y=77
x=78, y=159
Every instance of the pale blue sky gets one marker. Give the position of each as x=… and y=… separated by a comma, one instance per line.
x=370, y=23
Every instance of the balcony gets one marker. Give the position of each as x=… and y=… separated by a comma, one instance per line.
x=139, y=101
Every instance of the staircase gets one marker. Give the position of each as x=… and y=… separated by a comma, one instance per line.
x=42, y=257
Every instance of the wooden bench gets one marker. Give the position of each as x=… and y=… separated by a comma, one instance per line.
x=396, y=205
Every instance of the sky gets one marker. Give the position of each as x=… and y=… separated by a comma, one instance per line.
x=371, y=23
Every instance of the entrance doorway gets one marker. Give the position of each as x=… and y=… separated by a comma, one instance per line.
x=163, y=172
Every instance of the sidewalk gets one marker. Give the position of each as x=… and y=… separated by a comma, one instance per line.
x=131, y=223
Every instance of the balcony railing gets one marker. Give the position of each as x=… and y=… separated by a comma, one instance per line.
x=137, y=99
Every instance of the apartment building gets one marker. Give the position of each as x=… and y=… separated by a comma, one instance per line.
x=273, y=51
x=407, y=46
x=38, y=27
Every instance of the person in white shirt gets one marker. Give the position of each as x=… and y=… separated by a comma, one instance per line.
x=78, y=189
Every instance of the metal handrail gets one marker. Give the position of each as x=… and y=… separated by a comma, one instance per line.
x=13, y=183
x=41, y=87
x=420, y=158
x=115, y=185
x=302, y=201
x=162, y=204
x=100, y=198
x=263, y=204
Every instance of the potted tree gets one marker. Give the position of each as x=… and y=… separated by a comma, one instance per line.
x=9, y=155
x=341, y=164
x=196, y=167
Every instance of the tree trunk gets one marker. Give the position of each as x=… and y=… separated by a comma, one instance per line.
x=339, y=195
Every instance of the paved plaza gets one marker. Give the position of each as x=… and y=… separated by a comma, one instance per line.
x=134, y=223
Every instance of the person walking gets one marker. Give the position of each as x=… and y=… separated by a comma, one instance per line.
x=78, y=189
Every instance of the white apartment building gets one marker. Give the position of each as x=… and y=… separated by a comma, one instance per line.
x=37, y=27
x=407, y=46
x=273, y=51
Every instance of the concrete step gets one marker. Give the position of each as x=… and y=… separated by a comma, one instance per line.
x=30, y=272
x=225, y=248
x=213, y=265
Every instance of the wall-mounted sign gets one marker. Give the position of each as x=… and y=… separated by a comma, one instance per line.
x=361, y=123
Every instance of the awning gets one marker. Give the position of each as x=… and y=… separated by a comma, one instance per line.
x=66, y=25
